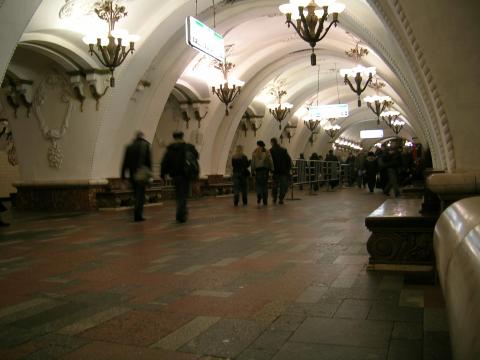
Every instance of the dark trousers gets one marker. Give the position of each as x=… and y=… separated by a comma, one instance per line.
x=392, y=182
x=371, y=181
x=240, y=186
x=139, y=195
x=279, y=186
x=182, y=186
x=261, y=185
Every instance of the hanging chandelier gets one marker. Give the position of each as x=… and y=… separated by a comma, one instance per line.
x=289, y=132
x=356, y=73
x=310, y=25
x=347, y=145
x=332, y=131
x=378, y=104
x=226, y=88
x=111, y=49
x=280, y=110
x=389, y=117
x=312, y=125
x=397, y=126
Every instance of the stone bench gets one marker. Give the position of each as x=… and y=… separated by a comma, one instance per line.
x=119, y=197
x=402, y=237
x=457, y=251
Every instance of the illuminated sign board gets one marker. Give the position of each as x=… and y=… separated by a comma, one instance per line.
x=328, y=111
x=371, y=134
x=204, y=39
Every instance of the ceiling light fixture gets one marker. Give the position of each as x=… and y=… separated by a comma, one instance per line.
x=389, y=117
x=332, y=131
x=356, y=73
x=310, y=26
x=111, y=51
x=226, y=88
x=279, y=110
x=397, y=126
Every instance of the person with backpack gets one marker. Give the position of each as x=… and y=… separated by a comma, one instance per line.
x=282, y=164
x=138, y=163
x=180, y=162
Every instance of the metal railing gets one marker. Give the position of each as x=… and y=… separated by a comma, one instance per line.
x=317, y=173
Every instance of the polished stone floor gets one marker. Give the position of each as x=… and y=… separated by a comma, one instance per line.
x=281, y=282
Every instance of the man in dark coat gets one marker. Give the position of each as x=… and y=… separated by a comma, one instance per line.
x=282, y=163
x=137, y=159
x=174, y=164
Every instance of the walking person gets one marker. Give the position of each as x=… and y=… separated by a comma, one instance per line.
x=261, y=165
x=314, y=165
x=332, y=169
x=282, y=164
x=240, y=165
x=138, y=162
x=3, y=209
x=392, y=162
x=180, y=162
x=371, y=169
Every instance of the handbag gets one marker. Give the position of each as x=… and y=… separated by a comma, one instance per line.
x=143, y=175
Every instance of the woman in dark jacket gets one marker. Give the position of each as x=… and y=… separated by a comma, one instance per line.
x=371, y=168
x=240, y=175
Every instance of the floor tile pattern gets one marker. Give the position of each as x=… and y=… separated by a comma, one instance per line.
x=277, y=282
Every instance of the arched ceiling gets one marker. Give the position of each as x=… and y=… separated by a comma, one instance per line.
x=264, y=50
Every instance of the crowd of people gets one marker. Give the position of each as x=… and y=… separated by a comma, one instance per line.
x=389, y=168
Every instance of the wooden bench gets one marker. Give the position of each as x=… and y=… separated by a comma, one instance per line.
x=402, y=237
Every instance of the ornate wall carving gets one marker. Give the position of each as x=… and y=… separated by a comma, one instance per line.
x=51, y=84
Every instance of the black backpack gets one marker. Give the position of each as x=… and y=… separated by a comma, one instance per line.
x=191, y=166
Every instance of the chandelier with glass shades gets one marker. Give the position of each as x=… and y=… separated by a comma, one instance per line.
x=397, y=126
x=226, y=88
x=279, y=110
x=358, y=73
x=378, y=104
x=389, y=117
x=332, y=131
x=111, y=49
x=346, y=144
x=310, y=17
x=312, y=125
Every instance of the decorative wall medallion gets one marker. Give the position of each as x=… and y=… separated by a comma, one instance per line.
x=49, y=87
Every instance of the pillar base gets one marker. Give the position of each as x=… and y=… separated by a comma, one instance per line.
x=68, y=195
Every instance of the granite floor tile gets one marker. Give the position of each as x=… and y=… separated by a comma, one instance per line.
x=288, y=322
x=435, y=319
x=346, y=332
x=227, y=338
x=436, y=346
x=186, y=333
x=302, y=351
x=272, y=339
x=354, y=309
x=392, y=312
x=405, y=349
x=215, y=288
x=407, y=330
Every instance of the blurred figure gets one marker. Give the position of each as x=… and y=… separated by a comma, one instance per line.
x=282, y=164
x=180, y=162
x=371, y=169
x=391, y=161
x=240, y=165
x=261, y=165
x=332, y=170
x=314, y=171
x=138, y=162
x=3, y=209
